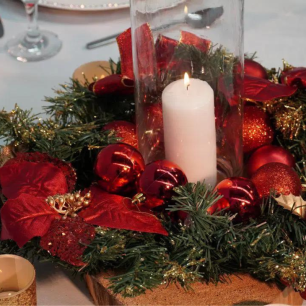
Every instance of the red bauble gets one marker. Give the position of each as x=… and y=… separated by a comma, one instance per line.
x=254, y=69
x=257, y=129
x=119, y=167
x=125, y=131
x=158, y=180
x=278, y=177
x=239, y=197
x=67, y=239
x=269, y=154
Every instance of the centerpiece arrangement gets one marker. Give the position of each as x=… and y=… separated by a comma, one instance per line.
x=171, y=204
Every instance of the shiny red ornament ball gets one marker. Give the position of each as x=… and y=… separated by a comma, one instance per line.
x=158, y=180
x=269, y=154
x=119, y=167
x=239, y=197
x=257, y=129
x=276, y=177
x=254, y=69
x=125, y=131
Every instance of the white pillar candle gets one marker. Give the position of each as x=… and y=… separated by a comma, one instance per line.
x=189, y=128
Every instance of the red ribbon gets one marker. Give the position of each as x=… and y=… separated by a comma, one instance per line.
x=151, y=56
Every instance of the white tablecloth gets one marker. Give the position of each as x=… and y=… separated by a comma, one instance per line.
x=273, y=28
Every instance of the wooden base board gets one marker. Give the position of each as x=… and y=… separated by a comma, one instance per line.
x=243, y=290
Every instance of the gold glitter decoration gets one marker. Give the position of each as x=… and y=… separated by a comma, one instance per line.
x=294, y=204
x=288, y=116
x=24, y=298
x=6, y=154
x=70, y=203
x=292, y=270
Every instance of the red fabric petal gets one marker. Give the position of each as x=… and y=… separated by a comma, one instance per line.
x=37, y=157
x=261, y=90
x=294, y=76
x=26, y=217
x=114, y=211
x=41, y=179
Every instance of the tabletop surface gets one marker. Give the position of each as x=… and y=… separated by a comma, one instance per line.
x=273, y=28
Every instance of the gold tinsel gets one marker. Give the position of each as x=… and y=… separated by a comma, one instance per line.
x=292, y=270
x=178, y=272
x=68, y=204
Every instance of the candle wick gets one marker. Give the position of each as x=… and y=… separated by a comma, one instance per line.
x=188, y=86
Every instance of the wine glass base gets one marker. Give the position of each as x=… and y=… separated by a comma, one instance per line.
x=23, y=50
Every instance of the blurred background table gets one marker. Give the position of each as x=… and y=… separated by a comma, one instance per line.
x=274, y=28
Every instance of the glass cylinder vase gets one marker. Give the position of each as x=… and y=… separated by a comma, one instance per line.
x=188, y=66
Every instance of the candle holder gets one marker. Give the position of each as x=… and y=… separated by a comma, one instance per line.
x=17, y=281
x=188, y=68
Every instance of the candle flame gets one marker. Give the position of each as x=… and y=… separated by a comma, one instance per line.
x=186, y=80
x=186, y=9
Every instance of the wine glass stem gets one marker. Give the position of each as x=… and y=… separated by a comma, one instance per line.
x=33, y=33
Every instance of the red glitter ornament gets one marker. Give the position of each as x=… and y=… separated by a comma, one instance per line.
x=269, y=154
x=257, y=129
x=37, y=157
x=276, y=177
x=67, y=239
x=239, y=197
x=158, y=180
x=254, y=69
x=125, y=131
x=119, y=166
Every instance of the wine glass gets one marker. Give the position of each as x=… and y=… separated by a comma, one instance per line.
x=34, y=44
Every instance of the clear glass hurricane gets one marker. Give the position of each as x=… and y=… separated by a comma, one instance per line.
x=34, y=44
